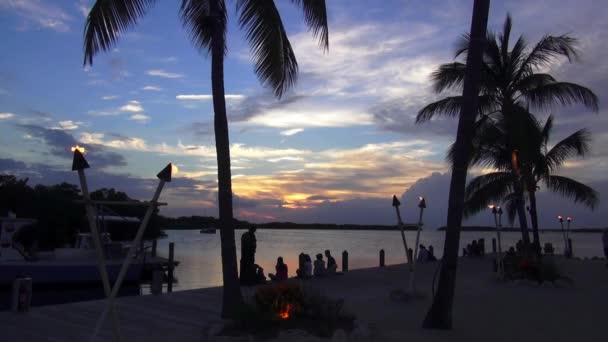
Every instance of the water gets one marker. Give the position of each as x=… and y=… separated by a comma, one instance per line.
x=200, y=260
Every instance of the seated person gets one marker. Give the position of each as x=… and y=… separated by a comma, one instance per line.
x=307, y=266
x=301, y=261
x=260, y=278
x=423, y=255
x=319, y=269
x=431, y=256
x=331, y=263
x=281, y=269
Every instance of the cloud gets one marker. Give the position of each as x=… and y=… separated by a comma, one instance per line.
x=83, y=7
x=140, y=118
x=207, y=97
x=109, y=97
x=59, y=143
x=152, y=88
x=43, y=14
x=163, y=74
x=292, y=131
x=313, y=117
x=67, y=125
x=132, y=107
x=6, y=115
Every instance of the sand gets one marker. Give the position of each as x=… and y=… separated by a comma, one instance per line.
x=485, y=309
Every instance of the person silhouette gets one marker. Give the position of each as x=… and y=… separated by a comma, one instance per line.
x=248, y=247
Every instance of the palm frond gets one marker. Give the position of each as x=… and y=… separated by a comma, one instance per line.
x=569, y=188
x=510, y=202
x=451, y=106
x=448, y=76
x=486, y=189
x=504, y=39
x=107, y=20
x=533, y=81
x=275, y=61
x=576, y=144
x=315, y=15
x=564, y=93
x=200, y=23
x=546, y=132
x=548, y=49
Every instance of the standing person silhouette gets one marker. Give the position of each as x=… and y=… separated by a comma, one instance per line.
x=248, y=247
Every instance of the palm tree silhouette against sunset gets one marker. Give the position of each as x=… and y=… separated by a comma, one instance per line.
x=206, y=21
x=512, y=80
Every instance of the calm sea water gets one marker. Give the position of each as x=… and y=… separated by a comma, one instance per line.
x=200, y=261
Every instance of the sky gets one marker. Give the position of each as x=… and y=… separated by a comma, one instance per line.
x=334, y=149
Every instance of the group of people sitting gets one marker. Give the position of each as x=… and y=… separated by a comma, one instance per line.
x=474, y=249
x=306, y=269
x=426, y=255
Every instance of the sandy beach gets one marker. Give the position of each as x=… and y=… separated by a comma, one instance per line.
x=485, y=309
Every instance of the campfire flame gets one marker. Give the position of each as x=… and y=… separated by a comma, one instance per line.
x=79, y=148
x=285, y=312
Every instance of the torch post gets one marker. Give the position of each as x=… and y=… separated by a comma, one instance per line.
x=163, y=176
x=396, y=204
x=498, y=229
x=569, y=246
x=422, y=206
x=79, y=164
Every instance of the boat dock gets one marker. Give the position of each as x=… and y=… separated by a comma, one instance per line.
x=178, y=316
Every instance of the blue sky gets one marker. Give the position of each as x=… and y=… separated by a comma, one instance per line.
x=334, y=149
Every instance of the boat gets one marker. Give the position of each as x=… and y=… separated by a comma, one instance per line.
x=208, y=231
x=74, y=265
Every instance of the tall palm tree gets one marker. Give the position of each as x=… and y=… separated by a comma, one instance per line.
x=538, y=163
x=511, y=82
x=206, y=20
x=439, y=315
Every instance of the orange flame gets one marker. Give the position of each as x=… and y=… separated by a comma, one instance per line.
x=79, y=148
x=285, y=312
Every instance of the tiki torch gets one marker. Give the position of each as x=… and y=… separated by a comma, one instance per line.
x=79, y=163
x=421, y=205
x=163, y=176
x=396, y=204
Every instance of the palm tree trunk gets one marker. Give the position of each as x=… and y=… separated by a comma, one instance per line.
x=521, y=214
x=534, y=219
x=439, y=315
x=231, y=297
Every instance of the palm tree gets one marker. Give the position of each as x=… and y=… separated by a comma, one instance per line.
x=511, y=82
x=439, y=315
x=538, y=164
x=275, y=66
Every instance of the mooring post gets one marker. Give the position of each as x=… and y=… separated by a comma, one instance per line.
x=493, y=245
x=345, y=261
x=157, y=281
x=170, y=272
x=382, y=258
x=154, y=243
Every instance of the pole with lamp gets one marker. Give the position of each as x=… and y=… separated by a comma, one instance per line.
x=497, y=213
x=422, y=206
x=561, y=222
x=568, y=220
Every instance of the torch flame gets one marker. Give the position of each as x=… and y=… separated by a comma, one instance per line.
x=491, y=206
x=285, y=313
x=174, y=169
x=79, y=148
x=420, y=198
x=569, y=218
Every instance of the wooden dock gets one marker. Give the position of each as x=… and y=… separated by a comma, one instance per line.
x=179, y=316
